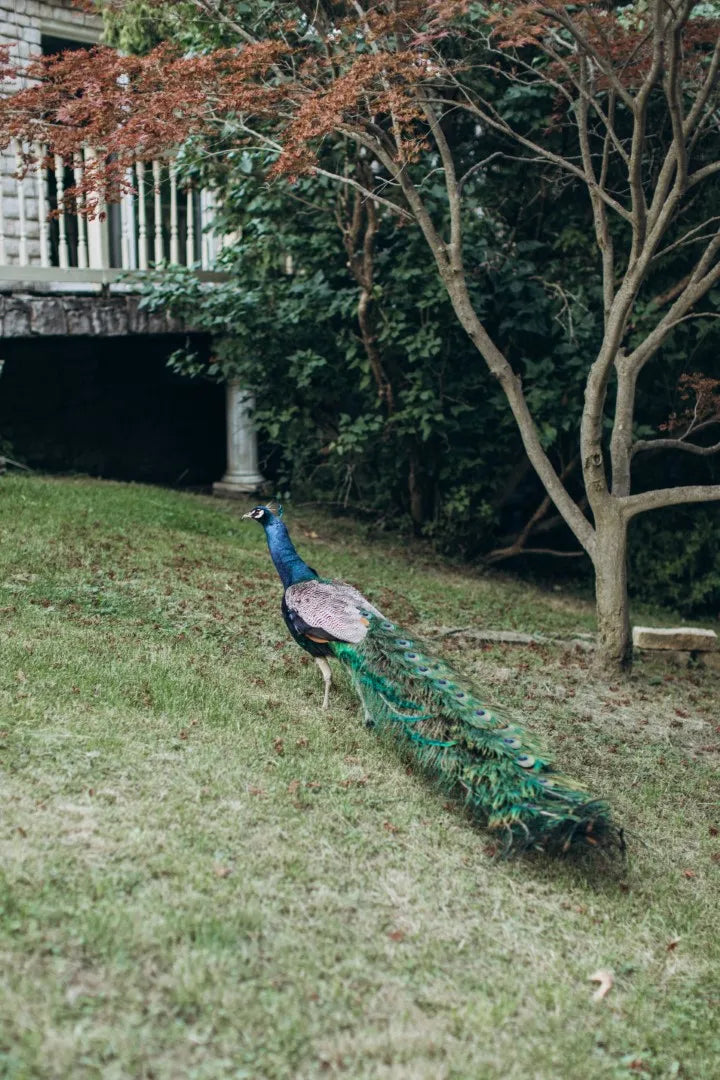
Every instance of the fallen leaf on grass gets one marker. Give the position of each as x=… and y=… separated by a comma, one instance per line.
x=672, y=944
x=222, y=871
x=605, y=981
x=689, y=873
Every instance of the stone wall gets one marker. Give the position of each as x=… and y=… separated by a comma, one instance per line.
x=28, y=315
x=22, y=25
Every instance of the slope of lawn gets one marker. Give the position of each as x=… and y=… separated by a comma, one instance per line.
x=204, y=876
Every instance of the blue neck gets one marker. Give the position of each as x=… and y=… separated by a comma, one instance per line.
x=288, y=563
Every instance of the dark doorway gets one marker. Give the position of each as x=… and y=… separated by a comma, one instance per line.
x=111, y=407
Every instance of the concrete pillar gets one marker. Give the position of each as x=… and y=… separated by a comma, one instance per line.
x=241, y=476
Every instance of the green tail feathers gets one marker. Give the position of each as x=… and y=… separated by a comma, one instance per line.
x=470, y=750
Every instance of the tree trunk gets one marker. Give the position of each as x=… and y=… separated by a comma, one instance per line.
x=614, y=652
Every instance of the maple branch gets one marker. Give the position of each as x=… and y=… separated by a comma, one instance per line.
x=369, y=193
x=451, y=184
x=695, y=115
x=699, y=283
x=603, y=235
x=643, y=445
x=508, y=553
x=214, y=9
x=702, y=174
x=687, y=238
x=633, y=505
x=561, y=16
x=497, y=123
x=518, y=545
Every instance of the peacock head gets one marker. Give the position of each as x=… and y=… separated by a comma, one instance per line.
x=264, y=514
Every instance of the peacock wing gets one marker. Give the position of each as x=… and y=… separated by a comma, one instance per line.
x=329, y=611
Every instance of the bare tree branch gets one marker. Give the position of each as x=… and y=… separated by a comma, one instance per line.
x=633, y=505
x=643, y=445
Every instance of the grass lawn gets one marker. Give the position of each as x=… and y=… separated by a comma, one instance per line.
x=204, y=876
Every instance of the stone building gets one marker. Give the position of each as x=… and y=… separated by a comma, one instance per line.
x=65, y=279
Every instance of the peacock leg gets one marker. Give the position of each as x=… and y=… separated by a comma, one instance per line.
x=369, y=722
x=327, y=678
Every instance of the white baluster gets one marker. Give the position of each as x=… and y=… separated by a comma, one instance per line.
x=190, y=230
x=204, y=229
x=124, y=234
x=174, y=236
x=142, y=217
x=22, y=216
x=127, y=217
x=82, y=247
x=97, y=226
x=157, y=208
x=42, y=191
x=63, y=253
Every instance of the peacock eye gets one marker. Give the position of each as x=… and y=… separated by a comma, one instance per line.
x=386, y=625
x=411, y=656
x=525, y=761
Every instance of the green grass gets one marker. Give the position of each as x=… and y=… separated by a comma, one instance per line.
x=203, y=876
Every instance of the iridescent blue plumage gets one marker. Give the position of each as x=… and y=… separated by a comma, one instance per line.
x=430, y=710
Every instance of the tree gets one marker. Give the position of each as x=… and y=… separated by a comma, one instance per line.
x=633, y=93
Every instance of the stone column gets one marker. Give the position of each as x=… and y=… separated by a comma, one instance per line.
x=241, y=476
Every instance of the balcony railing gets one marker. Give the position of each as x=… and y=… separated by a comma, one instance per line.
x=161, y=220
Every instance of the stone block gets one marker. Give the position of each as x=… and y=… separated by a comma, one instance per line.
x=136, y=316
x=47, y=317
x=156, y=322
x=109, y=318
x=79, y=320
x=16, y=318
x=678, y=639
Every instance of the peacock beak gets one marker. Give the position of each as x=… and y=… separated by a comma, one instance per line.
x=248, y=515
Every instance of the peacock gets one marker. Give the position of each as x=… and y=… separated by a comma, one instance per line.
x=463, y=743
